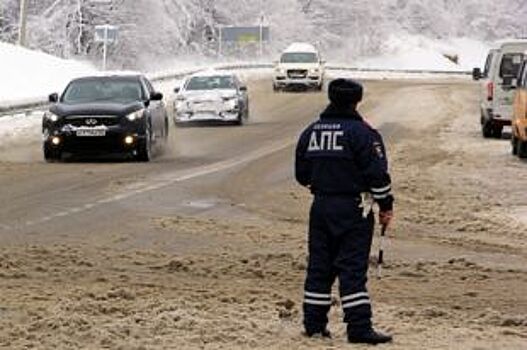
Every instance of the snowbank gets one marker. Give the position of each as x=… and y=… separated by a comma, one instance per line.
x=20, y=129
x=416, y=52
x=28, y=75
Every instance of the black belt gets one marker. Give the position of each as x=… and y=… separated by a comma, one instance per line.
x=337, y=195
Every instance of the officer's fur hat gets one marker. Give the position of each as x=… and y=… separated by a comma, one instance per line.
x=345, y=92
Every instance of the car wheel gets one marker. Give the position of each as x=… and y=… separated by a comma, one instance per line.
x=247, y=111
x=486, y=129
x=239, y=120
x=166, y=130
x=514, y=145
x=144, y=151
x=51, y=155
x=497, y=132
x=522, y=149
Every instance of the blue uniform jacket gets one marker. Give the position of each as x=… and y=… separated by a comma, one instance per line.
x=340, y=154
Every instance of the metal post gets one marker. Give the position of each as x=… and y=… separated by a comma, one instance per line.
x=105, y=48
x=261, y=35
x=22, y=23
x=220, y=42
x=79, y=38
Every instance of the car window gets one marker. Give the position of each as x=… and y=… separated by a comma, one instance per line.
x=299, y=57
x=211, y=83
x=103, y=90
x=149, y=86
x=523, y=82
x=510, y=65
x=488, y=62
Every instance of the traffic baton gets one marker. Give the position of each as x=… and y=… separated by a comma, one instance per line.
x=380, y=259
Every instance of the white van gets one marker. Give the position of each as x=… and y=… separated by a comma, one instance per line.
x=498, y=81
x=300, y=65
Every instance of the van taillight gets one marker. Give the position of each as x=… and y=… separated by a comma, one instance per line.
x=490, y=91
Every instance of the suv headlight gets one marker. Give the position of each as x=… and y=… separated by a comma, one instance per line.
x=135, y=115
x=279, y=70
x=314, y=70
x=52, y=117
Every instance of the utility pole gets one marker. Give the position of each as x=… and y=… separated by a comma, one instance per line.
x=105, y=48
x=220, y=41
x=1, y=17
x=261, y=48
x=22, y=23
x=262, y=16
x=81, y=27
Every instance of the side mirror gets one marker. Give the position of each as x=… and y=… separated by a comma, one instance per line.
x=53, y=98
x=156, y=96
x=476, y=74
x=177, y=90
x=243, y=88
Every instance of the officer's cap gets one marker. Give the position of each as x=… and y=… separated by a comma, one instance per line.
x=345, y=92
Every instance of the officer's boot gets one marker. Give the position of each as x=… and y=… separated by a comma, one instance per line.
x=317, y=332
x=367, y=336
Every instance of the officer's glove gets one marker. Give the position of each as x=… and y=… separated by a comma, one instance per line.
x=385, y=217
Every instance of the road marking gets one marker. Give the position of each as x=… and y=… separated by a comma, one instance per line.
x=167, y=180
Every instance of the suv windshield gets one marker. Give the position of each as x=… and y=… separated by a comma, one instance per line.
x=103, y=90
x=211, y=83
x=299, y=57
x=510, y=65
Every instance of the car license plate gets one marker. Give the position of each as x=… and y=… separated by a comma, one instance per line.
x=205, y=107
x=91, y=132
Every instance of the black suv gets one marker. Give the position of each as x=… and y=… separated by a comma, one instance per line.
x=105, y=114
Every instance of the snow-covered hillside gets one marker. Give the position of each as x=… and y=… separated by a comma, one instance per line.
x=32, y=74
x=27, y=74
x=417, y=52
x=151, y=30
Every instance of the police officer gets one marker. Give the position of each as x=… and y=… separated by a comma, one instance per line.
x=342, y=160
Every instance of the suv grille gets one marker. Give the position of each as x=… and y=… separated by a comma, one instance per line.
x=89, y=120
x=297, y=73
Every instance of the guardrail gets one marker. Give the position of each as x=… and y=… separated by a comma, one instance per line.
x=21, y=108
x=25, y=107
x=408, y=71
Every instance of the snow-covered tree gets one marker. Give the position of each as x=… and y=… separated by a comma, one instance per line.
x=150, y=29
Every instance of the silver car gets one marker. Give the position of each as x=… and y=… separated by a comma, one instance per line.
x=212, y=97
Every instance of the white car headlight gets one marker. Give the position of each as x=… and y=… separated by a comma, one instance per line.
x=51, y=117
x=135, y=115
x=231, y=104
x=181, y=104
x=314, y=70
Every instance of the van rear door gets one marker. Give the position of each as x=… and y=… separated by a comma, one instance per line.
x=509, y=67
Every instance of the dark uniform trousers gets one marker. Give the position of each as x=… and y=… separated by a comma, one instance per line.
x=340, y=241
